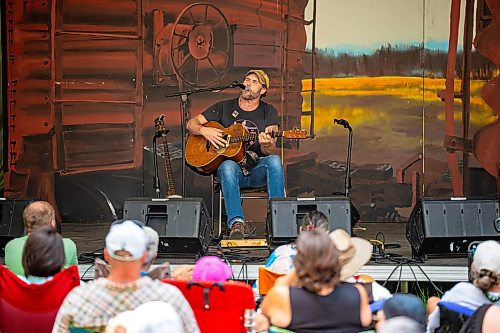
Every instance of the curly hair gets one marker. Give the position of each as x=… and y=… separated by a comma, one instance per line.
x=317, y=261
x=483, y=279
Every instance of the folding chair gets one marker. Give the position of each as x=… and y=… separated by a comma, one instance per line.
x=452, y=316
x=33, y=307
x=218, y=307
x=267, y=278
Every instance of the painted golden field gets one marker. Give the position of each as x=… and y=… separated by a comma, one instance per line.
x=390, y=116
x=413, y=90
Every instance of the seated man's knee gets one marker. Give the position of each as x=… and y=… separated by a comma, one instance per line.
x=227, y=168
x=274, y=162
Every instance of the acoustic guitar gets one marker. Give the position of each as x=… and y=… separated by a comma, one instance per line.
x=203, y=157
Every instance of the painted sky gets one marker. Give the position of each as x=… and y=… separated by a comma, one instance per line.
x=362, y=26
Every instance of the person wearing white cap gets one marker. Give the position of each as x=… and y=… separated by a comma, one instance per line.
x=92, y=305
x=484, y=287
x=260, y=166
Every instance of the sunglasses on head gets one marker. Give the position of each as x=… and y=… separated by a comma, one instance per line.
x=136, y=222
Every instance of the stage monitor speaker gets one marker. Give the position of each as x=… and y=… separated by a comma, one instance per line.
x=438, y=227
x=183, y=224
x=285, y=216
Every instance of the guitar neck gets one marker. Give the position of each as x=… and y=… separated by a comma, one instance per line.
x=253, y=137
x=168, y=168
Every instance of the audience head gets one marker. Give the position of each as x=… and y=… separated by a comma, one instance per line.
x=314, y=220
x=317, y=261
x=485, y=268
x=211, y=268
x=151, y=317
x=403, y=305
x=151, y=246
x=401, y=324
x=354, y=252
x=43, y=253
x=126, y=241
x=37, y=214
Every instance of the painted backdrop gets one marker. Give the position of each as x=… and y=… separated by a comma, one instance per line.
x=87, y=79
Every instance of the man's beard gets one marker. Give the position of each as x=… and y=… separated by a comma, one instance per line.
x=249, y=95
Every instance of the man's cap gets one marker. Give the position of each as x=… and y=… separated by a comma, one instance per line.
x=211, y=268
x=261, y=75
x=126, y=240
x=406, y=305
x=355, y=252
x=487, y=256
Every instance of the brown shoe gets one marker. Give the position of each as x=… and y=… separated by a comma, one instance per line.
x=237, y=231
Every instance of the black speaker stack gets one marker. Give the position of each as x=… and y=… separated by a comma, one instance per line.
x=285, y=216
x=440, y=227
x=183, y=224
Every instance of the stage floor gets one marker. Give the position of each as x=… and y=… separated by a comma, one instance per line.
x=89, y=239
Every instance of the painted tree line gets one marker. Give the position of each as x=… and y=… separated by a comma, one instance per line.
x=388, y=60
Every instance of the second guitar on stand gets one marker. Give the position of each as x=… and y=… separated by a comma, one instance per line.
x=163, y=131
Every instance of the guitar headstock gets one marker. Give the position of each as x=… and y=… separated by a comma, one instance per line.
x=160, y=125
x=295, y=133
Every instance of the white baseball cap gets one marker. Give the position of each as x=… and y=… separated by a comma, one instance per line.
x=487, y=256
x=126, y=240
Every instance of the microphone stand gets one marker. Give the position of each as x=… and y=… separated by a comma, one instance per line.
x=347, y=181
x=156, y=178
x=186, y=114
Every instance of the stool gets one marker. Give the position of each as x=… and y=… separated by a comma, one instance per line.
x=245, y=193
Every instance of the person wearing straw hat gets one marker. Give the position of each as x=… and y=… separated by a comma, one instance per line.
x=317, y=293
x=355, y=252
x=261, y=165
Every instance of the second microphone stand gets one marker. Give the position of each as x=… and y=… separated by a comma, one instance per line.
x=347, y=182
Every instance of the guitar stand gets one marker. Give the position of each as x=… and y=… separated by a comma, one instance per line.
x=186, y=114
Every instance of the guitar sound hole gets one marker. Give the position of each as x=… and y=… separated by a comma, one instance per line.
x=207, y=145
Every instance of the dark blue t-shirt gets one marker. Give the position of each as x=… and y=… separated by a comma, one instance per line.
x=228, y=112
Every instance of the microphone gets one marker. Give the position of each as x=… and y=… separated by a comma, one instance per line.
x=342, y=122
x=236, y=84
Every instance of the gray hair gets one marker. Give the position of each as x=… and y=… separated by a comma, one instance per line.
x=151, y=245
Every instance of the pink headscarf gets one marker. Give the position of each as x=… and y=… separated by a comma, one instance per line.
x=211, y=268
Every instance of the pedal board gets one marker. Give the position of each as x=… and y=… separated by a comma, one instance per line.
x=251, y=242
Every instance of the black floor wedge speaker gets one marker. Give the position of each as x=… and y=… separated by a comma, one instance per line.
x=11, y=219
x=438, y=227
x=285, y=216
x=183, y=224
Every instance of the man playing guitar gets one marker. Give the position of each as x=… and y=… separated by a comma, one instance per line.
x=261, y=166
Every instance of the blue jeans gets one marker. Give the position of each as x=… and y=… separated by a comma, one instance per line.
x=268, y=170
